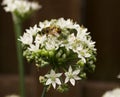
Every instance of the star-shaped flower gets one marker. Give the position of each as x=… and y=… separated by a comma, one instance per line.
x=34, y=48
x=26, y=39
x=53, y=78
x=72, y=76
x=33, y=30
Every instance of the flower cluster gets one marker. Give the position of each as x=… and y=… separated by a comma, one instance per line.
x=112, y=93
x=21, y=8
x=13, y=95
x=118, y=76
x=62, y=45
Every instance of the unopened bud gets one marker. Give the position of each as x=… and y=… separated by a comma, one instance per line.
x=41, y=79
x=51, y=53
x=64, y=56
x=44, y=52
x=80, y=63
x=59, y=53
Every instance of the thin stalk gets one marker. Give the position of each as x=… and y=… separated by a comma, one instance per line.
x=44, y=91
x=18, y=31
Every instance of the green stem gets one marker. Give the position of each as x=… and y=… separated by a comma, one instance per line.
x=44, y=91
x=18, y=31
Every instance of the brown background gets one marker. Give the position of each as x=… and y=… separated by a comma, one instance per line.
x=101, y=17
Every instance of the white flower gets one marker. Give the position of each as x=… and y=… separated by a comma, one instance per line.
x=52, y=43
x=113, y=93
x=26, y=39
x=35, y=6
x=67, y=24
x=71, y=42
x=13, y=95
x=44, y=24
x=34, y=48
x=7, y=1
x=62, y=23
x=72, y=76
x=20, y=6
x=32, y=30
x=83, y=54
x=40, y=40
x=82, y=33
x=53, y=78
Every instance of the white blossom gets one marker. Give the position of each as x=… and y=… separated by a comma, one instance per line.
x=58, y=43
x=34, y=48
x=90, y=44
x=32, y=30
x=20, y=6
x=26, y=39
x=72, y=76
x=83, y=54
x=35, y=6
x=52, y=43
x=13, y=95
x=40, y=40
x=112, y=93
x=44, y=24
x=53, y=78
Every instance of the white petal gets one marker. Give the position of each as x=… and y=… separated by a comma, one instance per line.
x=70, y=69
x=77, y=78
x=47, y=75
x=58, y=81
x=66, y=74
x=87, y=55
x=48, y=82
x=83, y=59
x=34, y=48
x=76, y=72
x=66, y=80
x=58, y=74
x=72, y=81
x=54, y=85
x=52, y=72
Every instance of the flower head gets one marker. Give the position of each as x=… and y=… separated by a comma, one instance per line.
x=72, y=76
x=60, y=44
x=53, y=78
x=20, y=7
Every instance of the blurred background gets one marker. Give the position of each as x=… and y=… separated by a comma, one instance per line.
x=101, y=17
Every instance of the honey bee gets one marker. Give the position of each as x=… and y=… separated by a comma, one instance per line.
x=53, y=30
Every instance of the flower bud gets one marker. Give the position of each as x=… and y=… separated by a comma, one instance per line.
x=39, y=51
x=51, y=53
x=64, y=56
x=83, y=75
x=44, y=63
x=41, y=79
x=60, y=60
x=44, y=52
x=63, y=88
x=80, y=63
x=59, y=53
x=38, y=65
x=92, y=67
